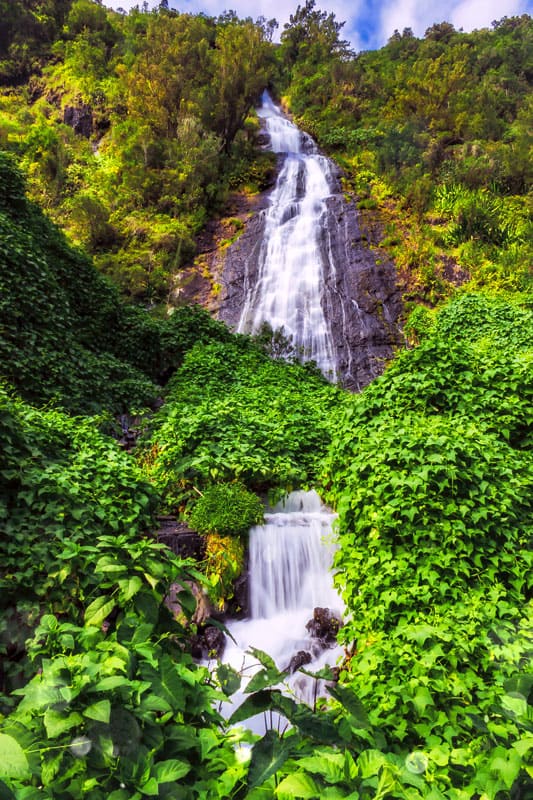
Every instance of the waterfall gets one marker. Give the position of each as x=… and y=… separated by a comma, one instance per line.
x=290, y=558
x=292, y=260
x=290, y=574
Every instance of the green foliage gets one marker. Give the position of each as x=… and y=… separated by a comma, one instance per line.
x=234, y=414
x=224, y=562
x=441, y=123
x=103, y=698
x=431, y=473
x=65, y=337
x=419, y=324
x=63, y=483
x=165, y=96
x=430, y=470
x=116, y=707
x=226, y=508
x=28, y=29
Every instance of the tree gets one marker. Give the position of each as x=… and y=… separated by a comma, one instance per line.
x=312, y=36
x=242, y=67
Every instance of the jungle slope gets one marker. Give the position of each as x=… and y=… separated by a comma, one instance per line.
x=429, y=468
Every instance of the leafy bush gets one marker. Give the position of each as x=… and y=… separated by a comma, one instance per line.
x=234, y=414
x=430, y=472
x=107, y=700
x=116, y=706
x=419, y=324
x=65, y=335
x=63, y=483
x=226, y=508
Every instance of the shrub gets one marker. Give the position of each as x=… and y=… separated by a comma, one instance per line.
x=226, y=508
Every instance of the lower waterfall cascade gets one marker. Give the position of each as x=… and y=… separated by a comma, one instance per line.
x=290, y=574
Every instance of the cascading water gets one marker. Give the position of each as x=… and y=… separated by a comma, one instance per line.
x=289, y=575
x=288, y=291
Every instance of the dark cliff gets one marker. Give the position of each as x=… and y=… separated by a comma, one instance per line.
x=361, y=298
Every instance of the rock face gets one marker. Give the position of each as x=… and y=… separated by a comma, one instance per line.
x=80, y=119
x=360, y=297
x=180, y=538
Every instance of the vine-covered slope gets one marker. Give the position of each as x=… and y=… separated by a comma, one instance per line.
x=429, y=468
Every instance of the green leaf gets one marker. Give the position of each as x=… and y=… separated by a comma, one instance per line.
x=297, y=785
x=170, y=770
x=100, y=711
x=329, y=765
x=129, y=587
x=255, y=704
x=57, y=723
x=351, y=703
x=370, y=763
x=13, y=761
x=263, y=658
x=6, y=793
x=268, y=756
x=110, y=683
x=422, y=699
x=264, y=678
x=229, y=679
x=151, y=787
x=98, y=610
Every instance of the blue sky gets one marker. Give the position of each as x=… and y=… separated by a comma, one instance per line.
x=369, y=23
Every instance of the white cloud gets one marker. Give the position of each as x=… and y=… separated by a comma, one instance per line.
x=400, y=14
x=470, y=14
x=466, y=14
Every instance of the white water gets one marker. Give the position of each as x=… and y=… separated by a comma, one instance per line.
x=289, y=574
x=287, y=293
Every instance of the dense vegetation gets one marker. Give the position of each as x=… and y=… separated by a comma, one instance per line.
x=155, y=101
x=436, y=132
x=430, y=468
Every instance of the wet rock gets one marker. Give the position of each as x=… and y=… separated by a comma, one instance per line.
x=238, y=605
x=197, y=645
x=215, y=641
x=361, y=298
x=324, y=626
x=203, y=605
x=209, y=642
x=80, y=119
x=180, y=538
x=130, y=427
x=299, y=659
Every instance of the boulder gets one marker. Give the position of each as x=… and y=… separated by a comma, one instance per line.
x=324, y=626
x=209, y=642
x=299, y=659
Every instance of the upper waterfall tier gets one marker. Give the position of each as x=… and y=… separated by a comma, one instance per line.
x=288, y=290
x=302, y=266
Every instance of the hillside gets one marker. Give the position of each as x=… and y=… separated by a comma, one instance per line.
x=429, y=468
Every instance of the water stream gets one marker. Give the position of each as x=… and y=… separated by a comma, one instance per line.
x=291, y=262
x=290, y=556
x=289, y=576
